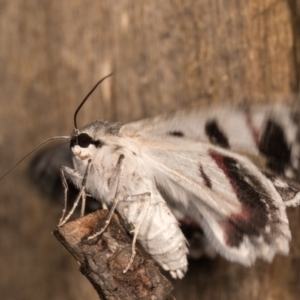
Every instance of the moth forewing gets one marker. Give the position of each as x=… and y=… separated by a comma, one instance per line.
x=226, y=194
x=267, y=130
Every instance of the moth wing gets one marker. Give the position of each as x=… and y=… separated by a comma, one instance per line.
x=268, y=134
x=239, y=209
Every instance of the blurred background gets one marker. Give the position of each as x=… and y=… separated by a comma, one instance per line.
x=166, y=55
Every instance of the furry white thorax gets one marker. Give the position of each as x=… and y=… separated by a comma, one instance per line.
x=104, y=161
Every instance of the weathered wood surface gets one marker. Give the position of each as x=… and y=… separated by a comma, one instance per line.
x=167, y=55
x=104, y=259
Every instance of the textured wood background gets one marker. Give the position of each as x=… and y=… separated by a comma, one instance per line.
x=167, y=55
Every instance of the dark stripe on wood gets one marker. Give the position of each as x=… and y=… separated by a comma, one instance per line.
x=215, y=134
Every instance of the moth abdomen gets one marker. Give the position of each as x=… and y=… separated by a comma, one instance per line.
x=159, y=233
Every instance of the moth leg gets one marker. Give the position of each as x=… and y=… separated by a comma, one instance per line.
x=138, y=226
x=116, y=178
x=83, y=203
x=114, y=186
x=107, y=221
x=81, y=194
x=66, y=187
x=77, y=179
x=72, y=175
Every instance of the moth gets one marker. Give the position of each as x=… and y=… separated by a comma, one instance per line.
x=231, y=171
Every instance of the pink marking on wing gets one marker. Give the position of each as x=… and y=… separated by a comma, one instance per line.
x=252, y=218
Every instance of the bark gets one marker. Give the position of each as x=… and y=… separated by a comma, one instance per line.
x=104, y=259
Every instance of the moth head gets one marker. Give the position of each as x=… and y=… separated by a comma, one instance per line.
x=87, y=141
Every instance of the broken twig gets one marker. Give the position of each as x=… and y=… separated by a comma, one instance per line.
x=103, y=260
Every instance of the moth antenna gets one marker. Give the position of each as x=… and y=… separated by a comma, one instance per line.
x=29, y=153
x=87, y=96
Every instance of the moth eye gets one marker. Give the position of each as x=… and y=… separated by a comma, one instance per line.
x=84, y=140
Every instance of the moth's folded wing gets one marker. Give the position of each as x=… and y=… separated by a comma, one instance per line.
x=269, y=133
x=238, y=207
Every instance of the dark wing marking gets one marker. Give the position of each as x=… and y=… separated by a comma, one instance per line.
x=206, y=179
x=240, y=211
x=176, y=133
x=274, y=146
x=257, y=207
x=215, y=134
x=289, y=190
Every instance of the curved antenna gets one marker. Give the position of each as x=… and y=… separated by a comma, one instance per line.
x=86, y=97
x=29, y=153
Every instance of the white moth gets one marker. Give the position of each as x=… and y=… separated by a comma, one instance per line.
x=228, y=171
x=188, y=165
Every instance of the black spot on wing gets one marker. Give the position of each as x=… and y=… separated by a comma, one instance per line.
x=286, y=188
x=176, y=133
x=254, y=216
x=215, y=134
x=206, y=179
x=274, y=146
x=257, y=206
